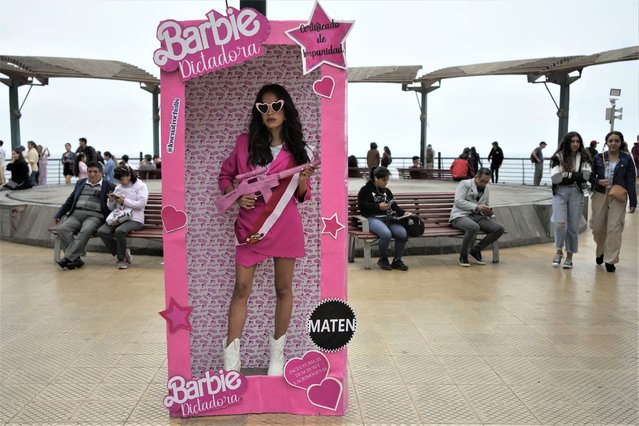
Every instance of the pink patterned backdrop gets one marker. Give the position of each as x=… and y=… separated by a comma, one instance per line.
x=217, y=111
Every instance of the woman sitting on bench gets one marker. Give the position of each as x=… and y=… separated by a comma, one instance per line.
x=375, y=201
x=131, y=193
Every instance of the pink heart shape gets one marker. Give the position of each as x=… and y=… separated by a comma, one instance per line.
x=173, y=219
x=326, y=394
x=324, y=87
x=309, y=370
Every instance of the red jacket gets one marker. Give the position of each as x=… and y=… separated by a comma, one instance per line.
x=460, y=169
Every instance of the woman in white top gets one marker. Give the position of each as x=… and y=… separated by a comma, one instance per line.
x=130, y=193
x=570, y=170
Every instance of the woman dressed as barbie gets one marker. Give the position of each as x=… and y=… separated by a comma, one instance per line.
x=267, y=229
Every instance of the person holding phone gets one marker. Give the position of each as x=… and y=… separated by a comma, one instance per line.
x=471, y=213
x=376, y=202
x=130, y=193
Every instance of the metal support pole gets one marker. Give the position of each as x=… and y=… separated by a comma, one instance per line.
x=423, y=117
x=259, y=5
x=422, y=137
x=564, y=108
x=156, y=121
x=14, y=114
x=613, y=106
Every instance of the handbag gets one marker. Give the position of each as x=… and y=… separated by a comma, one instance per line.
x=12, y=184
x=413, y=224
x=118, y=216
x=618, y=193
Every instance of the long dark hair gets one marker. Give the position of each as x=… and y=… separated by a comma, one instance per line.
x=76, y=164
x=379, y=173
x=122, y=171
x=624, y=144
x=260, y=137
x=20, y=157
x=563, y=153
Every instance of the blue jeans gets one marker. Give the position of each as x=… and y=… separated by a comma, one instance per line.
x=567, y=209
x=385, y=233
x=471, y=225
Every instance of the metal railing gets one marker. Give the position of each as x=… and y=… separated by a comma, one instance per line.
x=516, y=170
x=519, y=171
x=54, y=170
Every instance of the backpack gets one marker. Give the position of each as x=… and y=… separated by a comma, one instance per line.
x=414, y=225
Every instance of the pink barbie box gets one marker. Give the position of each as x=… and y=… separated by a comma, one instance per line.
x=211, y=71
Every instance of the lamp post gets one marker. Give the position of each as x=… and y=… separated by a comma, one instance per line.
x=610, y=112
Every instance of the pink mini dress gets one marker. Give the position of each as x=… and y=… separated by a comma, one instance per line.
x=286, y=237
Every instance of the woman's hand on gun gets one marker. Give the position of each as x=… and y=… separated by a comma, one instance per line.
x=307, y=172
x=247, y=201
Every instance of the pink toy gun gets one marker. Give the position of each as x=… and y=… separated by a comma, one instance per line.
x=257, y=181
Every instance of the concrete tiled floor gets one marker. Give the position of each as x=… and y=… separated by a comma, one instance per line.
x=513, y=343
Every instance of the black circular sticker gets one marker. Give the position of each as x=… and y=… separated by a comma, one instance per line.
x=331, y=325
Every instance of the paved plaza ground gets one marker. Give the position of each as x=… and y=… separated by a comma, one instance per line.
x=517, y=342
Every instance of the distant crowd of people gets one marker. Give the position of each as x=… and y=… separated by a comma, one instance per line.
x=108, y=197
x=28, y=166
x=611, y=175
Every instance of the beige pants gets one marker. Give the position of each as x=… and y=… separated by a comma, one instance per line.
x=607, y=222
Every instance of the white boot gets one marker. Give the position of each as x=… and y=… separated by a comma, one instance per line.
x=276, y=360
x=232, y=355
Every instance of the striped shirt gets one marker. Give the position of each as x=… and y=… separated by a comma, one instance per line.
x=89, y=199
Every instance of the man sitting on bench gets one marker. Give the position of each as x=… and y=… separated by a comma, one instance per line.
x=471, y=213
x=86, y=209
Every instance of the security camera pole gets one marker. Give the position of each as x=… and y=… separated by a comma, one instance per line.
x=610, y=112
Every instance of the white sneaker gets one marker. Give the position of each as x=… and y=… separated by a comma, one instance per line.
x=122, y=264
x=128, y=257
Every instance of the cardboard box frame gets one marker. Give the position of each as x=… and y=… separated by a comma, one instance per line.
x=264, y=394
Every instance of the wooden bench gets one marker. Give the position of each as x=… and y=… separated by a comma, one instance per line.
x=434, y=209
x=358, y=172
x=148, y=174
x=419, y=173
x=152, y=225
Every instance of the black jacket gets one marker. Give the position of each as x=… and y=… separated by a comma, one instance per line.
x=625, y=174
x=89, y=153
x=20, y=174
x=496, y=156
x=369, y=198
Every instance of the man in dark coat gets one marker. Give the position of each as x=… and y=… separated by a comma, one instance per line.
x=85, y=210
x=496, y=157
x=87, y=150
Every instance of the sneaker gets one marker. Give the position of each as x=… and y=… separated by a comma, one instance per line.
x=599, y=259
x=610, y=267
x=567, y=264
x=398, y=264
x=383, y=263
x=476, y=254
x=128, y=257
x=122, y=264
x=463, y=260
x=63, y=263
x=556, y=261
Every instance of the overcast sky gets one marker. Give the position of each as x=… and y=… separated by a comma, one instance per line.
x=473, y=111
